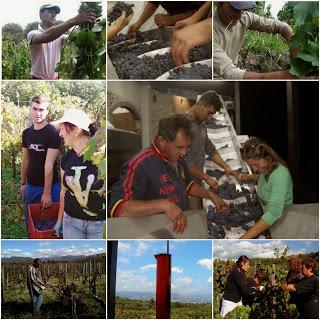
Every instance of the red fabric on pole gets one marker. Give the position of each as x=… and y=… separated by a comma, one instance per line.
x=163, y=291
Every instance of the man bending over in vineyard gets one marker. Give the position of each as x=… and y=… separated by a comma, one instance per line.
x=157, y=178
x=231, y=20
x=46, y=42
x=41, y=143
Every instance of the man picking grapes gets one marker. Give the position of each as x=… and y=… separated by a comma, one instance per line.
x=46, y=42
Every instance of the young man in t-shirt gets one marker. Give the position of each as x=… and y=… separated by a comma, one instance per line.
x=41, y=143
x=46, y=42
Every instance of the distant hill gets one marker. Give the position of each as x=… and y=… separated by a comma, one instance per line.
x=175, y=297
x=68, y=258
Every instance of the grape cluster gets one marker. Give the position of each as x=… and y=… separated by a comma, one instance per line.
x=44, y=225
x=229, y=191
x=129, y=66
x=117, y=10
x=196, y=71
x=239, y=215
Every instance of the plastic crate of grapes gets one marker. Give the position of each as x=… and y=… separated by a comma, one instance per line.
x=42, y=221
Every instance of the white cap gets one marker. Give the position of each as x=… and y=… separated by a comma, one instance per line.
x=77, y=117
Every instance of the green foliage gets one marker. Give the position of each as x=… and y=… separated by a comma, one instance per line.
x=305, y=39
x=16, y=63
x=84, y=56
x=29, y=27
x=262, y=9
x=145, y=309
x=12, y=31
x=286, y=14
x=16, y=96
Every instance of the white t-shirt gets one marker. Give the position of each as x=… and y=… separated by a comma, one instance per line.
x=44, y=56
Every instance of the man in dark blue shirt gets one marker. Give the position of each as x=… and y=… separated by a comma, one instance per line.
x=157, y=179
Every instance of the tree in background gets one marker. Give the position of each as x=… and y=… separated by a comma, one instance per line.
x=12, y=31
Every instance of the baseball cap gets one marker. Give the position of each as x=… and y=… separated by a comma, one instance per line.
x=50, y=6
x=77, y=117
x=243, y=5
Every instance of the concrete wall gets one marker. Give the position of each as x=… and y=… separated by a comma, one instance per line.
x=151, y=105
x=140, y=97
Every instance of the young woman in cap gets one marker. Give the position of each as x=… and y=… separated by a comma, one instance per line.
x=273, y=179
x=82, y=211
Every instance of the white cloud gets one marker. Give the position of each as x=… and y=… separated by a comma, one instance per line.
x=131, y=280
x=205, y=263
x=86, y=246
x=7, y=253
x=232, y=249
x=124, y=247
x=183, y=282
x=177, y=270
x=44, y=244
x=210, y=279
x=141, y=248
x=148, y=267
x=123, y=260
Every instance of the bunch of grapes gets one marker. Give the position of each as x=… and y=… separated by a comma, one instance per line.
x=117, y=10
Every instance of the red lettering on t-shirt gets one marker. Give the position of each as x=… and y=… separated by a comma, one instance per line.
x=165, y=178
x=167, y=189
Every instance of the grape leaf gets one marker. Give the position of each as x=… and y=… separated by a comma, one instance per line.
x=300, y=67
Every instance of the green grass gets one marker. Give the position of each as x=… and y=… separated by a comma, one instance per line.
x=264, y=52
x=13, y=224
x=264, y=43
x=145, y=309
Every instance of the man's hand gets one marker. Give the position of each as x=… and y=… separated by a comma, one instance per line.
x=22, y=190
x=175, y=214
x=183, y=23
x=122, y=21
x=191, y=36
x=212, y=183
x=84, y=17
x=133, y=28
x=162, y=20
x=230, y=172
x=46, y=200
x=219, y=203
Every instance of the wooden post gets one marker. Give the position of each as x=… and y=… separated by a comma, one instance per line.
x=274, y=299
x=2, y=286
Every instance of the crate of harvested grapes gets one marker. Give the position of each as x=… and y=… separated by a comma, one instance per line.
x=42, y=221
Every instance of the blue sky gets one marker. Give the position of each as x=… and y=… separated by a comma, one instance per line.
x=191, y=266
x=232, y=249
x=47, y=249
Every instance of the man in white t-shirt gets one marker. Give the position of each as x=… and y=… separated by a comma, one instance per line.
x=46, y=42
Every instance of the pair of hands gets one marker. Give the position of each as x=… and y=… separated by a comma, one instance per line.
x=214, y=184
x=161, y=20
x=179, y=220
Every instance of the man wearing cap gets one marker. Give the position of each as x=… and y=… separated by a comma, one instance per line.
x=46, y=42
x=41, y=143
x=231, y=20
x=157, y=179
